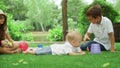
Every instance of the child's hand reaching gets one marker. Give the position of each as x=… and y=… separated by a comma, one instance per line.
x=86, y=37
x=82, y=53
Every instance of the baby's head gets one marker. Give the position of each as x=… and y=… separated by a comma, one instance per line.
x=74, y=38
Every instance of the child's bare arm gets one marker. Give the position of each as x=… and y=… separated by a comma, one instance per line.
x=78, y=53
x=8, y=37
x=112, y=40
x=29, y=52
x=86, y=37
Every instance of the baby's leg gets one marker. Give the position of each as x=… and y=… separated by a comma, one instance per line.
x=18, y=50
x=44, y=51
x=29, y=51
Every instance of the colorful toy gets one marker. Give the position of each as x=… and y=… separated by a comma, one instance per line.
x=9, y=43
x=40, y=45
x=95, y=48
x=23, y=46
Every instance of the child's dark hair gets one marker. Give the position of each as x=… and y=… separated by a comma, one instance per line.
x=94, y=11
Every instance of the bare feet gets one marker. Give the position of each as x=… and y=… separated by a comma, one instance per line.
x=18, y=50
x=25, y=52
x=29, y=52
x=82, y=53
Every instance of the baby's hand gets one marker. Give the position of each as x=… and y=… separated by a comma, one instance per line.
x=82, y=53
x=86, y=37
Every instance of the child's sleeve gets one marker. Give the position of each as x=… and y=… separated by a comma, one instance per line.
x=110, y=27
x=90, y=29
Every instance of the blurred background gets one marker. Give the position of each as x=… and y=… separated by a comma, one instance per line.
x=41, y=20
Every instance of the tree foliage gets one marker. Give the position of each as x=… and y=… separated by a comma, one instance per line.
x=18, y=30
x=117, y=8
x=16, y=8
x=55, y=34
x=73, y=9
x=2, y=5
x=41, y=13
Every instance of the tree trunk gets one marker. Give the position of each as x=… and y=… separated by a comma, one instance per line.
x=64, y=17
x=38, y=9
x=42, y=27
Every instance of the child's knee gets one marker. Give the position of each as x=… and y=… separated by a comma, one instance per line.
x=83, y=47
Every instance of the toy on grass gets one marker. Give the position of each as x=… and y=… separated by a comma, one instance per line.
x=9, y=43
x=23, y=46
x=40, y=45
x=95, y=48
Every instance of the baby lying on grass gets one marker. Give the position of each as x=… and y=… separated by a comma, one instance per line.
x=70, y=47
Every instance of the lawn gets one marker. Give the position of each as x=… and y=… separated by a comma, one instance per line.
x=103, y=60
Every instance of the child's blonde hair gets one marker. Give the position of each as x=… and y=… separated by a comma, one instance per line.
x=72, y=35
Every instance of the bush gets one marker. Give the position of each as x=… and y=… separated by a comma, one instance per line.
x=18, y=30
x=27, y=36
x=55, y=34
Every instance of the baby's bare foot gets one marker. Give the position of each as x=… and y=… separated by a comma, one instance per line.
x=18, y=50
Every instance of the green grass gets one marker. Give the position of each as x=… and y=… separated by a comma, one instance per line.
x=103, y=60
